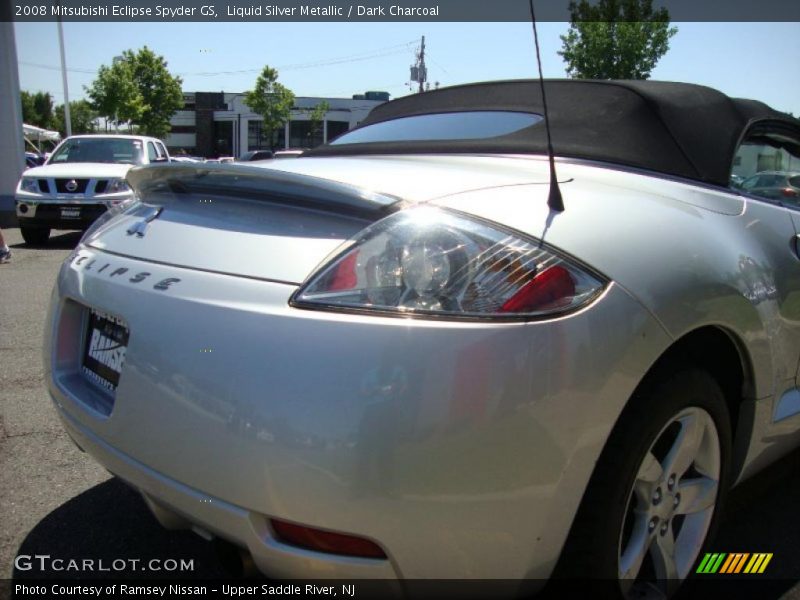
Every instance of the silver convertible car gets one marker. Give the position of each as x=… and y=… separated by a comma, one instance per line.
x=395, y=358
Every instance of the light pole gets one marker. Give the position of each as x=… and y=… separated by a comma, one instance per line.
x=67, y=120
x=237, y=142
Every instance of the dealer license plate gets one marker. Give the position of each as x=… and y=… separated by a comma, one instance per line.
x=104, y=355
x=70, y=213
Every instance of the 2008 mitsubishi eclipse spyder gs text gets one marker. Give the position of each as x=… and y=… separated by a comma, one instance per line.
x=391, y=358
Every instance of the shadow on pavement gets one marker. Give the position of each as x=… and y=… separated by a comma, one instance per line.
x=110, y=522
x=62, y=240
x=761, y=516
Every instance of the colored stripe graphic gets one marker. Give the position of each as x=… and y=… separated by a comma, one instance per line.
x=727, y=564
x=740, y=564
x=758, y=563
x=736, y=562
x=703, y=563
x=711, y=562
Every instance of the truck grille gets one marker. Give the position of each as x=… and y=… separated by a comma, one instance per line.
x=61, y=186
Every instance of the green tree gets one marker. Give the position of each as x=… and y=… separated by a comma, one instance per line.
x=83, y=117
x=615, y=39
x=43, y=104
x=114, y=94
x=316, y=116
x=159, y=90
x=138, y=90
x=272, y=100
x=37, y=109
x=29, y=115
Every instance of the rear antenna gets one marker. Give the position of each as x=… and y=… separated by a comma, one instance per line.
x=554, y=199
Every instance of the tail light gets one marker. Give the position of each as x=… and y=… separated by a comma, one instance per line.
x=432, y=262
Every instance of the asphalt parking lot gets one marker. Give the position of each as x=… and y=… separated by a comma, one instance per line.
x=56, y=501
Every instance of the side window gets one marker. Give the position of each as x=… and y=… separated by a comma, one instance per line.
x=152, y=155
x=162, y=150
x=767, y=164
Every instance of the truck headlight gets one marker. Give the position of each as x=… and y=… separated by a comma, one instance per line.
x=30, y=185
x=115, y=186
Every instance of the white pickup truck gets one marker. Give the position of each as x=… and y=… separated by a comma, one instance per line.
x=84, y=176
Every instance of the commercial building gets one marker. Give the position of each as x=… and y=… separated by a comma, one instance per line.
x=213, y=124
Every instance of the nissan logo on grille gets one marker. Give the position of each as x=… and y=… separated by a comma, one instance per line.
x=72, y=185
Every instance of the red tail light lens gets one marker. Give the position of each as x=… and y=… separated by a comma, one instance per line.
x=344, y=277
x=547, y=290
x=325, y=541
x=427, y=261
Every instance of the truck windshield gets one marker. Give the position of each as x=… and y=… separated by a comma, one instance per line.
x=99, y=150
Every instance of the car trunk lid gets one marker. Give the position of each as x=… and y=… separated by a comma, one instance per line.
x=271, y=223
x=239, y=220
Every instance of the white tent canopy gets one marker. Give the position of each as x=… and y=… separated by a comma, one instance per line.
x=36, y=135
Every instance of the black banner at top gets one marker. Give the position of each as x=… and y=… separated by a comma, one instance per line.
x=133, y=11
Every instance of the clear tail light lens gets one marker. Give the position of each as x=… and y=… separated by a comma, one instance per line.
x=427, y=261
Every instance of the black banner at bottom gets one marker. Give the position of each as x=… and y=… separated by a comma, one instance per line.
x=143, y=589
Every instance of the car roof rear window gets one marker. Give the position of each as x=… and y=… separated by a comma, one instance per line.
x=679, y=129
x=466, y=125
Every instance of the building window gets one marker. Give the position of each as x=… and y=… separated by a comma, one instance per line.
x=257, y=137
x=337, y=128
x=223, y=138
x=183, y=129
x=305, y=134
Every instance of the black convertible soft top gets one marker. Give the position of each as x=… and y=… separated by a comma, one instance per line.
x=679, y=129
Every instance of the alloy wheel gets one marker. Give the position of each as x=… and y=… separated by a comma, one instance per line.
x=670, y=505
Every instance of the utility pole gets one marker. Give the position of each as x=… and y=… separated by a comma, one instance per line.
x=419, y=71
x=423, y=72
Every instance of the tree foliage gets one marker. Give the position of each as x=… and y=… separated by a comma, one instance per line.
x=114, y=94
x=316, y=116
x=139, y=90
x=160, y=91
x=37, y=109
x=28, y=110
x=82, y=116
x=615, y=39
x=272, y=100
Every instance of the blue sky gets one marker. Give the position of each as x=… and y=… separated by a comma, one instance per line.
x=754, y=60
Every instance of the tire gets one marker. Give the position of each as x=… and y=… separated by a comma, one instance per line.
x=35, y=236
x=639, y=527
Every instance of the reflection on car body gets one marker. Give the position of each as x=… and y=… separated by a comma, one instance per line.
x=778, y=185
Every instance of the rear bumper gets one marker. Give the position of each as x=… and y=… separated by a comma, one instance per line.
x=462, y=449
x=178, y=506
